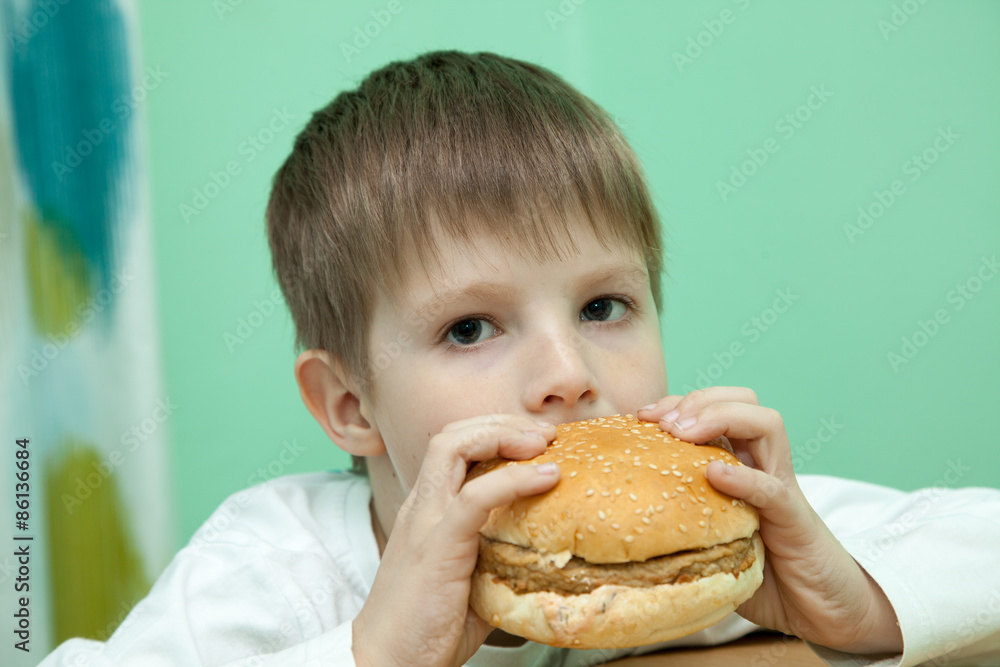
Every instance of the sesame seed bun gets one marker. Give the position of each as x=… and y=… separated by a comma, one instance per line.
x=632, y=546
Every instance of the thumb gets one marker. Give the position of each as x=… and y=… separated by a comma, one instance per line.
x=767, y=493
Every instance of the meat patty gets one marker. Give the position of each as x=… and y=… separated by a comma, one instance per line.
x=525, y=571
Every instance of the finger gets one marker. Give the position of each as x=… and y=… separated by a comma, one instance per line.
x=495, y=420
x=761, y=430
x=481, y=441
x=698, y=399
x=677, y=408
x=653, y=411
x=786, y=520
x=468, y=513
x=449, y=456
x=771, y=495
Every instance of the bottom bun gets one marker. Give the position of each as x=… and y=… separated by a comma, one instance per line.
x=616, y=616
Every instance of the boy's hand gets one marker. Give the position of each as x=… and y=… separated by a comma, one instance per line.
x=418, y=610
x=812, y=587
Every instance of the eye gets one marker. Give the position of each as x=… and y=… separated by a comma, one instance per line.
x=469, y=331
x=606, y=309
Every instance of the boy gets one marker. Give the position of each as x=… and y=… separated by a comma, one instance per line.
x=470, y=256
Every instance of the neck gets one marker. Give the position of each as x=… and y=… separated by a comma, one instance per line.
x=387, y=497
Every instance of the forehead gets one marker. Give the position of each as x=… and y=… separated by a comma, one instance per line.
x=450, y=262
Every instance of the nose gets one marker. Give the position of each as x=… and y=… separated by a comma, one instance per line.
x=560, y=374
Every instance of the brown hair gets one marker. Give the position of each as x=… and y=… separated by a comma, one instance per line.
x=452, y=142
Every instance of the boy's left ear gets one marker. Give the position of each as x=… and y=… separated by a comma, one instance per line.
x=333, y=401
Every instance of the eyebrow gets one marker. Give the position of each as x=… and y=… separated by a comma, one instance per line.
x=486, y=291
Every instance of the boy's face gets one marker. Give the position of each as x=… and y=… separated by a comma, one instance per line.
x=555, y=340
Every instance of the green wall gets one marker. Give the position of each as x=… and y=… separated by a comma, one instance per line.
x=700, y=88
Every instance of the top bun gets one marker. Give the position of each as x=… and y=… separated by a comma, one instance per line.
x=628, y=491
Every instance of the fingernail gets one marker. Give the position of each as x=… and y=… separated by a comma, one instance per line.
x=687, y=423
x=722, y=468
x=646, y=407
x=543, y=424
x=547, y=469
x=672, y=416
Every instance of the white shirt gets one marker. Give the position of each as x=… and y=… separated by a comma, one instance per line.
x=278, y=572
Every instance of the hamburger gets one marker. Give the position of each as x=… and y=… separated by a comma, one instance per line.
x=632, y=546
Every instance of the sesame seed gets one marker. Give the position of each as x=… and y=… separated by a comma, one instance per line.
x=638, y=511
x=629, y=538
x=573, y=474
x=605, y=493
x=684, y=506
x=635, y=430
x=677, y=473
x=646, y=520
x=653, y=466
x=606, y=470
x=665, y=496
x=637, y=463
x=579, y=536
x=689, y=480
x=701, y=523
x=682, y=528
x=615, y=526
x=590, y=492
x=664, y=472
x=707, y=511
x=718, y=533
x=701, y=499
x=632, y=496
x=601, y=515
x=673, y=466
x=639, y=531
x=681, y=489
x=590, y=528
x=532, y=525
x=600, y=457
x=659, y=508
x=618, y=492
x=695, y=464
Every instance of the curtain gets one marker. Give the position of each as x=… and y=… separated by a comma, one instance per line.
x=84, y=414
